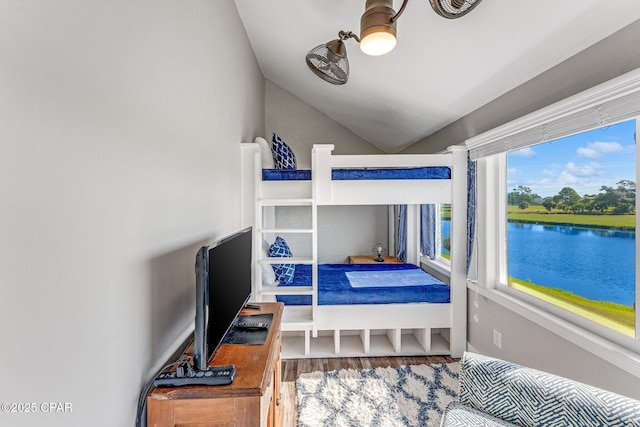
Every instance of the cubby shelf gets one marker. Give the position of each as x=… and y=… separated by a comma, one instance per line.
x=362, y=343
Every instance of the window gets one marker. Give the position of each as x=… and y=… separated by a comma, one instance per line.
x=443, y=231
x=435, y=239
x=539, y=178
x=571, y=224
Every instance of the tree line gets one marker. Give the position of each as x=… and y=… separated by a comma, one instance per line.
x=617, y=201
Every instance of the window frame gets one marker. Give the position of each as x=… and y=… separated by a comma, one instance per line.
x=438, y=239
x=440, y=264
x=490, y=150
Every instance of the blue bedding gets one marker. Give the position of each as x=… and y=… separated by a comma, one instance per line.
x=334, y=287
x=429, y=172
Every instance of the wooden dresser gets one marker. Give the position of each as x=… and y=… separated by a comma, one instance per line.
x=253, y=399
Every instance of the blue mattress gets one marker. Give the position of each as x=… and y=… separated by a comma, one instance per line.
x=429, y=172
x=334, y=287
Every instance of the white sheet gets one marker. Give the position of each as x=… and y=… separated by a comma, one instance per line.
x=373, y=279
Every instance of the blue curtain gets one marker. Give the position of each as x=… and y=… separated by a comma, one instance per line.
x=428, y=222
x=471, y=208
x=428, y=230
x=401, y=246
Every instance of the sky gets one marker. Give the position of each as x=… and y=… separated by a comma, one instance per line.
x=584, y=162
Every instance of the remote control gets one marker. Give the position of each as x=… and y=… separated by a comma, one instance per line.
x=216, y=375
x=251, y=325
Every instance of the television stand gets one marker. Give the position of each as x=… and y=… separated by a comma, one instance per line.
x=253, y=399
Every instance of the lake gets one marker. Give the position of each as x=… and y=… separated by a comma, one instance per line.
x=595, y=263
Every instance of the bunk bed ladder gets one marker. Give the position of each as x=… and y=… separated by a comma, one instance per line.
x=296, y=319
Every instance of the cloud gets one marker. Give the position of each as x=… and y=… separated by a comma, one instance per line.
x=567, y=178
x=512, y=171
x=525, y=152
x=597, y=149
x=590, y=169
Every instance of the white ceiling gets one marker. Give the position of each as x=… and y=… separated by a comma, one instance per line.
x=440, y=70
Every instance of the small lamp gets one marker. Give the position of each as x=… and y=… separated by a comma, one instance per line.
x=379, y=251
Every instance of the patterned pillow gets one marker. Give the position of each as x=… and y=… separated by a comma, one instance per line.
x=268, y=275
x=283, y=156
x=284, y=272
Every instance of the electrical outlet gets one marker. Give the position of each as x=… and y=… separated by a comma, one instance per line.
x=497, y=338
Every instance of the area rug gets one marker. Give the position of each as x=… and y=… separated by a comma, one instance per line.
x=412, y=395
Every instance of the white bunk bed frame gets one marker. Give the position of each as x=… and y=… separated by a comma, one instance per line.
x=362, y=330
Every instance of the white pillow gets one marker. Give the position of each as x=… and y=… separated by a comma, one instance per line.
x=268, y=275
x=266, y=153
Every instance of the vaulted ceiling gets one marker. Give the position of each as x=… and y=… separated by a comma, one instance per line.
x=440, y=70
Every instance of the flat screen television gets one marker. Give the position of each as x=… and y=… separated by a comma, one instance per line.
x=223, y=287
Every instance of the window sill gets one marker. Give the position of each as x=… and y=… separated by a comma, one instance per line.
x=617, y=355
x=443, y=268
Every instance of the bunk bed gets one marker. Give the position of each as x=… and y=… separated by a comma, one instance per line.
x=322, y=318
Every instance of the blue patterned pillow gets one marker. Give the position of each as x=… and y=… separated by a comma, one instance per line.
x=284, y=272
x=283, y=156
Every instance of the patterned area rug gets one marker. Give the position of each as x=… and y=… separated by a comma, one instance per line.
x=413, y=395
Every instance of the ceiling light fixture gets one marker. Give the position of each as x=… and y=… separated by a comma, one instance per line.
x=378, y=27
x=377, y=36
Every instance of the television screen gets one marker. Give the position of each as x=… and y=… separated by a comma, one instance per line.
x=223, y=287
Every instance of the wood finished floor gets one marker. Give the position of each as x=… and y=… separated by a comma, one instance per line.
x=292, y=368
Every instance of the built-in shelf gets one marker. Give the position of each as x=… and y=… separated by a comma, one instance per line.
x=285, y=202
x=286, y=230
x=287, y=260
x=362, y=343
x=287, y=290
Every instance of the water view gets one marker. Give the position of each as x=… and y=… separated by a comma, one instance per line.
x=593, y=263
x=597, y=264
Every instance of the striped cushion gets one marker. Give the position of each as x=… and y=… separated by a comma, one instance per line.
x=458, y=415
x=529, y=398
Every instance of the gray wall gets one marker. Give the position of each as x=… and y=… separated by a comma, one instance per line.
x=120, y=143
x=342, y=230
x=301, y=126
x=522, y=340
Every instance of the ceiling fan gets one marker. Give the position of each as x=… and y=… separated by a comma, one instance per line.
x=453, y=8
x=377, y=36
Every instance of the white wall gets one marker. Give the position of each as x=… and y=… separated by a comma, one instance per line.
x=120, y=125
x=524, y=341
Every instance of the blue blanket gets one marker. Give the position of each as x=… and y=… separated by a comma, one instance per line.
x=334, y=287
x=428, y=172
